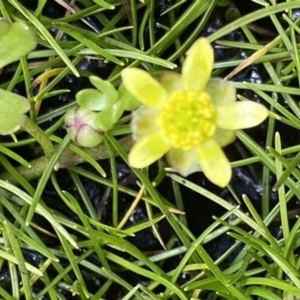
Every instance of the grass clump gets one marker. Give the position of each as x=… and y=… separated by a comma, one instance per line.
x=60, y=241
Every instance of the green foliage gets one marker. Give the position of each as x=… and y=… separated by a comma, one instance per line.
x=12, y=113
x=266, y=266
x=16, y=41
x=100, y=109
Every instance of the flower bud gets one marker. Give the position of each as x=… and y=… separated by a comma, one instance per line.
x=82, y=127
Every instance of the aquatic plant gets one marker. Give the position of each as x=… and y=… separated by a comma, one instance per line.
x=189, y=117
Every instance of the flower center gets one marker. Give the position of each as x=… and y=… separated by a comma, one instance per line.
x=187, y=118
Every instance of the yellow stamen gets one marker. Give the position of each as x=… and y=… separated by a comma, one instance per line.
x=187, y=118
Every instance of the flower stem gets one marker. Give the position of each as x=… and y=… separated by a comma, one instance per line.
x=34, y=130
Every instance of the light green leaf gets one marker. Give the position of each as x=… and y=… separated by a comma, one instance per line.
x=104, y=4
x=105, y=87
x=16, y=40
x=107, y=118
x=92, y=99
x=13, y=108
x=130, y=102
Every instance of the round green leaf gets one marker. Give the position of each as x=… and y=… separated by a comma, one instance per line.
x=105, y=87
x=16, y=40
x=130, y=102
x=107, y=118
x=13, y=107
x=93, y=100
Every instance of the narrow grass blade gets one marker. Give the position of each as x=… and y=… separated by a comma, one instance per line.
x=20, y=259
x=262, y=292
x=86, y=157
x=76, y=34
x=40, y=209
x=272, y=282
x=14, y=156
x=45, y=33
x=72, y=260
x=15, y=260
x=43, y=180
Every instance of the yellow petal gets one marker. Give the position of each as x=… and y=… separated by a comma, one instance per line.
x=239, y=115
x=197, y=66
x=224, y=137
x=143, y=87
x=220, y=91
x=171, y=81
x=185, y=162
x=147, y=150
x=143, y=122
x=214, y=163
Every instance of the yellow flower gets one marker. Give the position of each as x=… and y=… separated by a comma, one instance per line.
x=188, y=117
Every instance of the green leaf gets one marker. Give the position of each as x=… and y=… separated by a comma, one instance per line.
x=4, y=27
x=13, y=108
x=45, y=33
x=104, y=4
x=87, y=41
x=262, y=292
x=105, y=87
x=16, y=40
x=92, y=99
x=130, y=102
x=107, y=118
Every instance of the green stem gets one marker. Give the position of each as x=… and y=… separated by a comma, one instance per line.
x=34, y=130
x=67, y=159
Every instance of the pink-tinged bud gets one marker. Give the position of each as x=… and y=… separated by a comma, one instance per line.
x=82, y=127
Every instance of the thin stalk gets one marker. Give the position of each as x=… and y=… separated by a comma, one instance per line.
x=34, y=130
